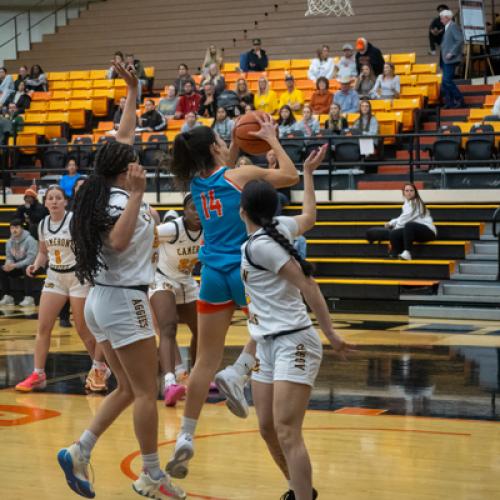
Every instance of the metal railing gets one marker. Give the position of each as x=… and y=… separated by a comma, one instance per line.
x=485, y=42
x=496, y=234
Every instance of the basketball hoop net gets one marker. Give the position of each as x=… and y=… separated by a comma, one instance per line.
x=327, y=7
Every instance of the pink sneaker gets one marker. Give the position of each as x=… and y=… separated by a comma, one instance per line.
x=33, y=383
x=213, y=388
x=174, y=393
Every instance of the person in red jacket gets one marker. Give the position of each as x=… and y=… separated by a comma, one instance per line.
x=190, y=101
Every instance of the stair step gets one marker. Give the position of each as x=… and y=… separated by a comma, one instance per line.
x=473, y=277
x=486, y=248
x=382, y=185
x=405, y=155
x=393, y=169
x=481, y=256
x=477, y=268
x=454, y=112
x=472, y=290
x=477, y=100
x=475, y=89
x=430, y=126
x=448, y=312
x=451, y=299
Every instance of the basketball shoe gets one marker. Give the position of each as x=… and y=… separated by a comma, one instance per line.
x=35, y=382
x=184, y=451
x=230, y=383
x=75, y=468
x=161, y=489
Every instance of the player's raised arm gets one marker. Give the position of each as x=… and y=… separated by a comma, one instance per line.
x=126, y=130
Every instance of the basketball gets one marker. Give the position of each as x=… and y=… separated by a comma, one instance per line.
x=242, y=133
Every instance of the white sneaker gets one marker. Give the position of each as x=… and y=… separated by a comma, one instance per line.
x=183, y=453
x=27, y=302
x=230, y=383
x=7, y=300
x=405, y=255
x=161, y=489
x=75, y=468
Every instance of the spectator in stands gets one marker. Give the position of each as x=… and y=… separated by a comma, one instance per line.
x=347, y=63
x=208, y=102
x=450, y=57
x=182, y=78
x=6, y=86
x=152, y=120
x=222, y=124
x=117, y=59
x=292, y=96
x=32, y=212
x=168, y=104
x=387, y=85
x=321, y=99
x=244, y=95
x=243, y=160
x=255, y=59
x=69, y=179
x=189, y=101
x=286, y=121
x=336, y=123
x=309, y=126
x=215, y=78
x=11, y=122
x=265, y=99
x=366, y=123
x=322, y=65
x=414, y=224
x=191, y=122
x=20, y=98
x=347, y=98
x=37, y=80
x=118, y=113
x=213, y=55
x=248, y=108
x=22, y=76
x=366, y=53
x=20, y=252
x=365, y=82
x=436, y=30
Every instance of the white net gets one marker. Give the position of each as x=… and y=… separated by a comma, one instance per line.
x=327, y=7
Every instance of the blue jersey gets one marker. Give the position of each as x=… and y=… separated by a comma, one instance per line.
x=217, y=201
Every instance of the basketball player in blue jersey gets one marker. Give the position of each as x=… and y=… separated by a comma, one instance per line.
x=203, y=162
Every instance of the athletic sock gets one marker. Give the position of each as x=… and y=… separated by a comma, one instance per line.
x=289, y=484
x=188, y=425
x=151, y=464
x=39, y=371
x=169, y=379
x=99, y=365
x=180, y=370
x=87, y=442
x=245, y=363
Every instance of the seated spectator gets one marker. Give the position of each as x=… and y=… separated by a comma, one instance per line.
x=117, y=59
x=243, y=160
x=37, y=80
x=168, y=104
x=213, y=55
x=188, y=101
x=286, y=121
x=31, y=212
x=222, y=124
x=370, y=55
x=321, y=99
x=293, y=96
x=366, y=123
x=208, y=102
x=346, y=66
x=309, y=126
x=20, y=252
x=20, y=98
x=265, y=99
x=182, y=78
x=387, y=85
x=152, y=120
x=22, y=76
x=248, y=108
x=336, y=123
x=244, y=95
x=255, y=59
x=365, y=82
x=6, y=86
x=414, y=224
x=191, y=122
x=230, y=102
x=215, y=78
x=322, y=65
x=67, y=181
x=118, y=113
x=11, y=123
x=347, y=98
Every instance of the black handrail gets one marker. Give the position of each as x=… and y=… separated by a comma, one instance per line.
x=495, y=219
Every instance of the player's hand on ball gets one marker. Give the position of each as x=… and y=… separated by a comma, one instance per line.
x=267, y=131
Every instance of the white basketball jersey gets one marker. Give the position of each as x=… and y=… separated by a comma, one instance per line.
x=57, y=239
x=179, y=249
x=135, y=265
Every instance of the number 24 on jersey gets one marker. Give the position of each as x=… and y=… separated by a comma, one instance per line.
x=211, y=205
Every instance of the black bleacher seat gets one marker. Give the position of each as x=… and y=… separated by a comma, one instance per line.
x=155, y=150
x=82, y=154
x=447, y=148
x=481, y=145
x=56, y=154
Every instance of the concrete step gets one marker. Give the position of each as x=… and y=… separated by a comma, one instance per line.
x=477, y=268
x=476, y=256
x=448, y=312
x=471, y=289
x=473, y=277
x=485, y=248
x=451, y=299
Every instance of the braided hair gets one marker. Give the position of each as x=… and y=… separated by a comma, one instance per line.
x=259, y=200
x=91, y=219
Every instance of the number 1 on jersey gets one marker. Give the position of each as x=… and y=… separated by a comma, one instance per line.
x=211, y=205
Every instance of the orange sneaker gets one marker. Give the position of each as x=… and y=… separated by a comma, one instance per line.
x=34, y=382
x=96, y=380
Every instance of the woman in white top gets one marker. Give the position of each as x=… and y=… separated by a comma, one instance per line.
x=322, y=65
x=387, y=85
x=116, y=242
x=288, y=346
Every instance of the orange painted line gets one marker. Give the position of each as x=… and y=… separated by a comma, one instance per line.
x=359, y=411
x=30, y=415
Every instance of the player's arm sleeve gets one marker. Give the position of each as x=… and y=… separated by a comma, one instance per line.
x=269, y=254
x=167, y=232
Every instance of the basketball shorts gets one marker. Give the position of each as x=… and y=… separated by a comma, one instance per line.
x=185, y=291
x=65, y=284
x=120, y=315
x=292, y=358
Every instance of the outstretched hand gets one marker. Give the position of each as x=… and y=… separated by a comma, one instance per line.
x=126, y=74
x=136, y=178
x=268, y=129
x=315, y=159
x=341, y=348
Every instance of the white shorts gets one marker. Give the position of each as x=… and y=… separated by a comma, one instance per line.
x=64, y=284
x=185, y=291
x=120, y=315
x=292, y=358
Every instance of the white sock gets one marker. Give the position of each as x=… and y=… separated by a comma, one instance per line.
x=289, y=484
x=87, y=442
x=151, y=464
x=99, y=365
x=169, y=379
x=245, y=363
x=39, y=371
x=180, y=370
x=188, y=425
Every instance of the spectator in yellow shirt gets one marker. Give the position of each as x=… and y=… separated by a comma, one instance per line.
x=265, y=99
x=292, y=97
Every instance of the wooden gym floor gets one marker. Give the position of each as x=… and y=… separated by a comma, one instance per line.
x=412, y=415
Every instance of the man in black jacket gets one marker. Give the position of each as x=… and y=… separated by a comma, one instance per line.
x=368, y=54
x=208, y=103
x=256, y=59
x=152, y=120
x=31, y=213
x=436, y=30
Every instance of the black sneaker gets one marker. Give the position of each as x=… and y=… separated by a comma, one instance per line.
x=65, y=323
x=290, y=495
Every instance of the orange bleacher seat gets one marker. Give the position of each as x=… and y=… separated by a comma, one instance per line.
x=282, y=64
x=496, y=88
x=407, y=107
x=80, y=104
x=230, y=77
x=97, y=74
x=41, y=96
x=58, y=105
x=27, y=139
x=414, y=91
x=380, y=105
x=81, y=94
x=57, y=117
x=403, y=58
x=489, y=102
x=408, y=79
x=39, y=106
x=57, y=76
x=230, y=66
x=308, y=94
x=252, y=86
x=35, y=117
x=278, y=85
x=102, y=84
x=175, y=124
x=299, y=74
x=150, y=71
x=108, y=93
x=300, y=64
x=197, y=79
x=171, y=135
x=432, y=82
x=79, y=75
x=49, y=131
x=118, y=83
x=99, y=106
x=254, y=76
x=106, y=125
x=60, y=85
x=389, y=124
x=387, y=57
x=81, y=84
x=276, y=74
x=120, y=90
x=402, y=69
x=476, y=114
x=429, y=69
x=305, y=84
x=76, y=118
x=61, y=94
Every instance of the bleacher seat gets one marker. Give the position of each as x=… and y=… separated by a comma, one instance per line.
x=480, y=146
x=403, y=58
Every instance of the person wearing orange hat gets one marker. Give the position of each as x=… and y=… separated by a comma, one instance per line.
x=366, y=53
x=31, y=212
